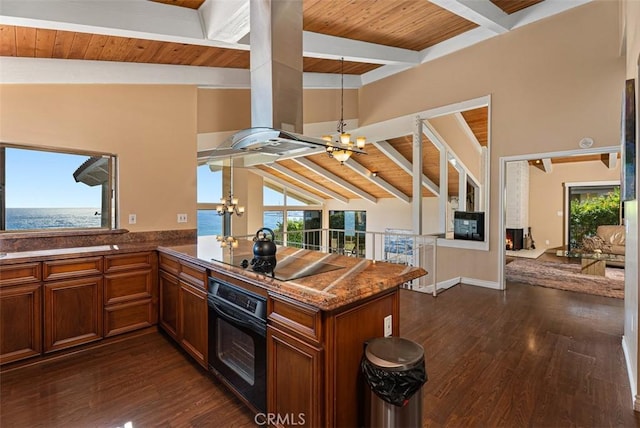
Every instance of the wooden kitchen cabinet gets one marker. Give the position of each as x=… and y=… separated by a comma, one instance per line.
x=169, y=289
x=183, y=305
x=192, y=325
x=314, y=357
x=20, y=312
x=295, y=372
x=130, y=292
x=294, y=336
x=73, y=306
x=72, y=312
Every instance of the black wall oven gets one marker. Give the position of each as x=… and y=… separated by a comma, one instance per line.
x=237, y=340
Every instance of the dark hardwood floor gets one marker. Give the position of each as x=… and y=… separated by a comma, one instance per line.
x=526, y=357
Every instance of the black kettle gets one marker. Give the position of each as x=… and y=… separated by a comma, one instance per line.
x=263, y=246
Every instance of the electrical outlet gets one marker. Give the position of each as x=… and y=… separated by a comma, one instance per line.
x=132, y=219
x=182, y=218
x=388, y=325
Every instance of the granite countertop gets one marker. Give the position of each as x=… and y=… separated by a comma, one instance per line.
x=346, y=280
x=349, y=280
x=71, y=252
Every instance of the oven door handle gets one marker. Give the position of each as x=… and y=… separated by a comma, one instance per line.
x=230, y=318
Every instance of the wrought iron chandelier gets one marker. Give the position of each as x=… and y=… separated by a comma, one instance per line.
x=343, y=147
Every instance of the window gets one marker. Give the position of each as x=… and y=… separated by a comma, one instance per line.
x=589, y=207
x=274, y=220
x=347, y=232
x=301, y=213
x=51, y=189
x=209, y=194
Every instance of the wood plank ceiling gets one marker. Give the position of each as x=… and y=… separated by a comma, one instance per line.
x=403, y=25
x=407, y=24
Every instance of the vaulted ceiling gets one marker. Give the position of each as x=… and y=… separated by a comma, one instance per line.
x=206, y=42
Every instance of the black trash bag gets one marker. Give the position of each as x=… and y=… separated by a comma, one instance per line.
x=394, y=387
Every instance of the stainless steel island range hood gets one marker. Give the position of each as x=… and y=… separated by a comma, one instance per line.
x=268, y=141
x=276, y=86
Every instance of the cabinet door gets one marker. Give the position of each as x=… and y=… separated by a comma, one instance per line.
x=20, y=322
x=193, y=322
x=128, y=316
x=169, y=290
x=72, y=312
x=295, y=379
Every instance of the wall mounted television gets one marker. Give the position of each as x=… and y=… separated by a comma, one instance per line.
x=468, y=225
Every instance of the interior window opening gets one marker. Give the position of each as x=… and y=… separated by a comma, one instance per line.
x=54, y=189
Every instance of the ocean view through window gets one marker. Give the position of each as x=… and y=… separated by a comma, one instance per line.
x=47, y=189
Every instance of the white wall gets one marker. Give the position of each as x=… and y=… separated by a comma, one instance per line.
x=392, y=213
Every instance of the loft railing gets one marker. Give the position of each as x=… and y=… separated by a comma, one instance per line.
x=393, y=246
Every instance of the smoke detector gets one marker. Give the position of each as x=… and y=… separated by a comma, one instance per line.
x=586, y=142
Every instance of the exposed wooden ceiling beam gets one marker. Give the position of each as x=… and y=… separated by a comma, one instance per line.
x=468, y=131
x=227, y=21
x=334, y=178
x=331, y=47
x=482, y=12
x=284, y=183
x=307, y=182
x=383, y=184
x=545, y=165
x=403, y=163
x=609, y=159
x=137, y=19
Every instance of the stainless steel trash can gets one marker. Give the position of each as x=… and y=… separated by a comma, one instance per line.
x=394, y=371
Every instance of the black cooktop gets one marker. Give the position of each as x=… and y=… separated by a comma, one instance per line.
x=288, y=267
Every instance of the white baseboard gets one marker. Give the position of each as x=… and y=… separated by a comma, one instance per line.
x=446, y=284
x=635, y=399
x=443, y=285
x=481, y=283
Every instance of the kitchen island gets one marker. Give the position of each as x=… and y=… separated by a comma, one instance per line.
x=320, y=308
x=319, y=316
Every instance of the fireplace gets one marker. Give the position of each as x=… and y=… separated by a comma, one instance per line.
x=514, y=239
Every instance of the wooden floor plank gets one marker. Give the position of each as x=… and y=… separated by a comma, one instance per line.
x=528, y=356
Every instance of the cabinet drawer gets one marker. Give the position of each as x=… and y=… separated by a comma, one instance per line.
x=195, y=275
x=22, y=273
x=128, y=317
x=133, y=261
x=121, y=287
x=297, y=319
x=169, y=264
x=71, y=268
